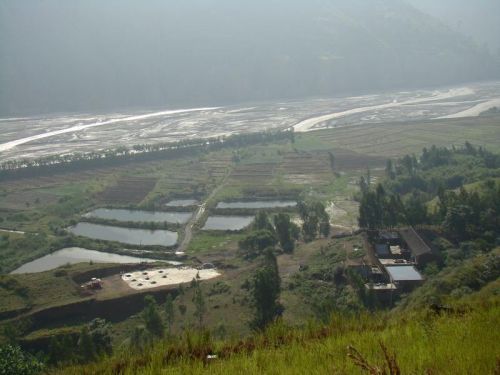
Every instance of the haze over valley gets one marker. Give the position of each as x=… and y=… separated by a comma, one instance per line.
x=114, y=56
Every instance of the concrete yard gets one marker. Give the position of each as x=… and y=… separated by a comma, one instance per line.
x=155, y=278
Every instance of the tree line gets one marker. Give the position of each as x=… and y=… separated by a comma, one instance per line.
x=428, y=197
x=143, y=152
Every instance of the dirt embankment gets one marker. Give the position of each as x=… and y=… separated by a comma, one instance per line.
x=113, y=310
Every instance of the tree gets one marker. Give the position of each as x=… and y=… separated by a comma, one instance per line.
x=389, y=170
x=139, y=338
x=265, y=290
x=315, y=220
x=310, y=228
x=456, y=221
x=199, y=304
x=324, y=227
x=13, y=361
x=262, y=222
x=331, y=158
x=152, y=318
x=100, y=335
x=363, y=185
x=257, y=241
x=169, y=312
x=86, y=346
x=284, y=232
x=415, y=210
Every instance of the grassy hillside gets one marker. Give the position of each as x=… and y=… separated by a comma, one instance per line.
x=464, y=341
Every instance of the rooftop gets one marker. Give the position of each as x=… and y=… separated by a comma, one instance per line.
x=404, y=273
x=415, y=242
x=382, y=250
x=388, y=235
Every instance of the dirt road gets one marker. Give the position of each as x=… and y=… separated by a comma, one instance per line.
x=198, y=214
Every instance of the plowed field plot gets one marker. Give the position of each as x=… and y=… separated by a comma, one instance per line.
x=303, y=163
x=128, y=190
x=189, y=176
x=347, y=160
x=253, y=171
x=306, y=168
x=217, y=165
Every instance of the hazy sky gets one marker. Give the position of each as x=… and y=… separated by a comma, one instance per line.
x=95, y=55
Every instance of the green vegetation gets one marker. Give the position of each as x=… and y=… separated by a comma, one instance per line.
x=315, y=220
x=265, y=290
x=92, y=342
x=459, y=342
x=412, y=183
x=14, y=361
x=152, y=318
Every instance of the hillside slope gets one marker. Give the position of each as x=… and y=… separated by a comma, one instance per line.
x=464, y=341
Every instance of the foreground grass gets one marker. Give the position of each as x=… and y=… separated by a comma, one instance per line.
x=462, y=342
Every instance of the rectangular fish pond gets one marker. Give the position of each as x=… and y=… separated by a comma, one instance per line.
x=140, y=216
x=74, y=255
x=141, y=237
x=256, y=204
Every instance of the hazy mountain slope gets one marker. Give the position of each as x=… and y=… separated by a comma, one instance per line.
x=94, y=55
x=479, y=19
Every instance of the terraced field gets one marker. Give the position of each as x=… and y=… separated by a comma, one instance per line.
x=399, y=138
x=128, y=190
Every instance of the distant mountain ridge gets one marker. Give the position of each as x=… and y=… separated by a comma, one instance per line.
x=94, y=55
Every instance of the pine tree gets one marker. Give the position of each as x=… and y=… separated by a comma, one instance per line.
x=169, y=312
x=139, y=338
x=86, y=346
x=266, y=288
x=284, y=232
x=331, y=157
x=389, y=170
x=199, y=304
x=262, y=222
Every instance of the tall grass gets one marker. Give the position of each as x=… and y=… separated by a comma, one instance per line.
x=465, y=342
